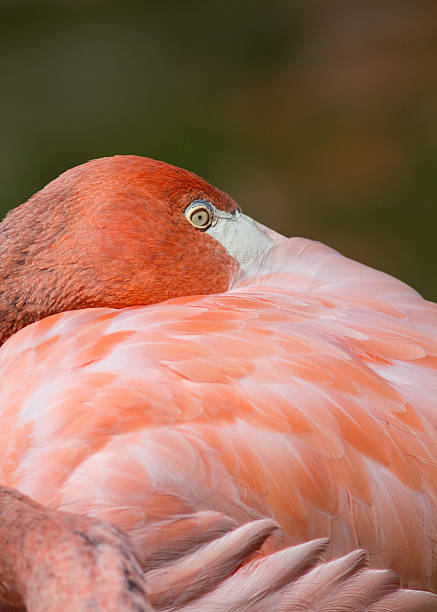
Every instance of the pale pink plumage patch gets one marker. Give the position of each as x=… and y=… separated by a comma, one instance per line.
x=306, y=393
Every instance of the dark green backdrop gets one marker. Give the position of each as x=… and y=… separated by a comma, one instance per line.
x=318, y=116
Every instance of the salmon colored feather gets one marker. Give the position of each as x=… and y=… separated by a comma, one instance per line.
x=55, y=561
x=295, y=385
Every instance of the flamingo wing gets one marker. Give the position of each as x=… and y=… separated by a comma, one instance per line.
x=52, y=560
x=306, y=393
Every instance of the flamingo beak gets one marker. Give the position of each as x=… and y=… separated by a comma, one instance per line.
x=243, y=238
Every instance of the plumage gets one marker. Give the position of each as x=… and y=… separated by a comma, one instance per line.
x=305, y=392
x=54, y=561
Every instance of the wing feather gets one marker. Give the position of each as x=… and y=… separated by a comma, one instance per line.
x=306, y=393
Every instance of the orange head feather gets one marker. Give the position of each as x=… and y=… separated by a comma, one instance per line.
x=111, y=232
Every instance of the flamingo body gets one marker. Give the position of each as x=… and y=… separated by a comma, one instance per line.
x=305, y=392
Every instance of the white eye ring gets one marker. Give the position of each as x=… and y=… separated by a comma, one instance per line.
x=200, y=214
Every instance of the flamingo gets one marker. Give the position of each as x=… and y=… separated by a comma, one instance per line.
x=166, y=360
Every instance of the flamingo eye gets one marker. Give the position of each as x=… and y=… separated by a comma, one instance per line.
x=200, y=215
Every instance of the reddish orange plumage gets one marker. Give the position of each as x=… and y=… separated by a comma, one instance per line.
x=108, y=233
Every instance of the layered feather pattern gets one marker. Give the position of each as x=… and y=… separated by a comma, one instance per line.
x=306, y=394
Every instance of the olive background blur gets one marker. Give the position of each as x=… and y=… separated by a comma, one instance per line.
x=318, y=116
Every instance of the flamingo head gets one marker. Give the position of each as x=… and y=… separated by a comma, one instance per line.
x=116, y=232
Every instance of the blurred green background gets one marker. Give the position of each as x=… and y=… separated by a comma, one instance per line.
x=318, y=116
